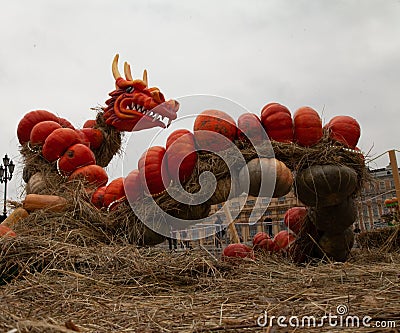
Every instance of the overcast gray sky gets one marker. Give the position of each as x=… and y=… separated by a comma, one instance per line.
x=339, y=57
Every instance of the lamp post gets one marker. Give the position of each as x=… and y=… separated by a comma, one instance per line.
x=6, y=173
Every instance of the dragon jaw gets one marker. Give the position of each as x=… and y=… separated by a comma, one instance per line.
x=133, y=106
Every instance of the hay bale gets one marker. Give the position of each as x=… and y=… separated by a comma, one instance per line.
x=111, y=145
x=382, y=240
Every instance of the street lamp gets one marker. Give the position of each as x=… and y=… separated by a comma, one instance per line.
x=6, y=173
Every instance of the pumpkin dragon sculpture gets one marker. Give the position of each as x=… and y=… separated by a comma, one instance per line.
x=134, y=106
x=59, y=159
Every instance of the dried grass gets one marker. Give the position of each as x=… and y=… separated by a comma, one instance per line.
x=383, y=239
x=111, y=143
x=120, y=288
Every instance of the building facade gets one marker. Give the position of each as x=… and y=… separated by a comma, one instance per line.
x=372, y=212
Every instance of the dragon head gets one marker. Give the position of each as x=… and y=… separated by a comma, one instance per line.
x=133, y=106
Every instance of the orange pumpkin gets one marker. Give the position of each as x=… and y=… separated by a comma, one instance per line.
x=181, y=155
x=98, y=197
x=90, y=123
x=30, y=120
x=214, y=130
x=93, y=174
x=41, y=131
x=238, y=250
x=277, y=122
x=307, y=126
x=57, y=143
x=267, y=244
x=283, y=239
x=83, y=138
x=76, y=156
x=93, y=136
x=344, y=129
x=154, y=171
x=250, y=129
x=133, y=186
x=114, y=191
x=294, y=218
x=65, y=123
x=261, y=241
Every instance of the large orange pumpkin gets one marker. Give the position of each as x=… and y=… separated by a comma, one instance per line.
x=41, y=131
x=133, y=186
x=76, y=156
x=98, y=197
x=93, y=174
x=114, y=191
x=277, y=122
x=307, y=126
x=214, y=130
x=154, y=171
x=181, y=154
x=57, y=143
x=344, y=129
x=94, y=136
x=294, y=218
x=29, y=120
x=250, y=129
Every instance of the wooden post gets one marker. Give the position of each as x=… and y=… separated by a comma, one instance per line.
x=371, y=218
x=379, y=203
x=201, y=235
x=233, y=234
x=395, y=172
x=360, y=216
x=275, y=227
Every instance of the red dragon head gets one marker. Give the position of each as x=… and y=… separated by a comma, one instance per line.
x=133, y=106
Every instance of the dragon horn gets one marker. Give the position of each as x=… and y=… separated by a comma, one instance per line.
x=115, y=70
x=127, y=71
x=145, y=78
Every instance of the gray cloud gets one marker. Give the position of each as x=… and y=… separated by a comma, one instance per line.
x=340, y=57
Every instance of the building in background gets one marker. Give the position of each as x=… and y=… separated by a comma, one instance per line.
x=372, y=211
x=256, y=214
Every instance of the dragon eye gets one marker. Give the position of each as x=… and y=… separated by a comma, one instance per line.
x=129, y=89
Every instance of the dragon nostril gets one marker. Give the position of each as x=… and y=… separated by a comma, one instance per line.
x=129, y=89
